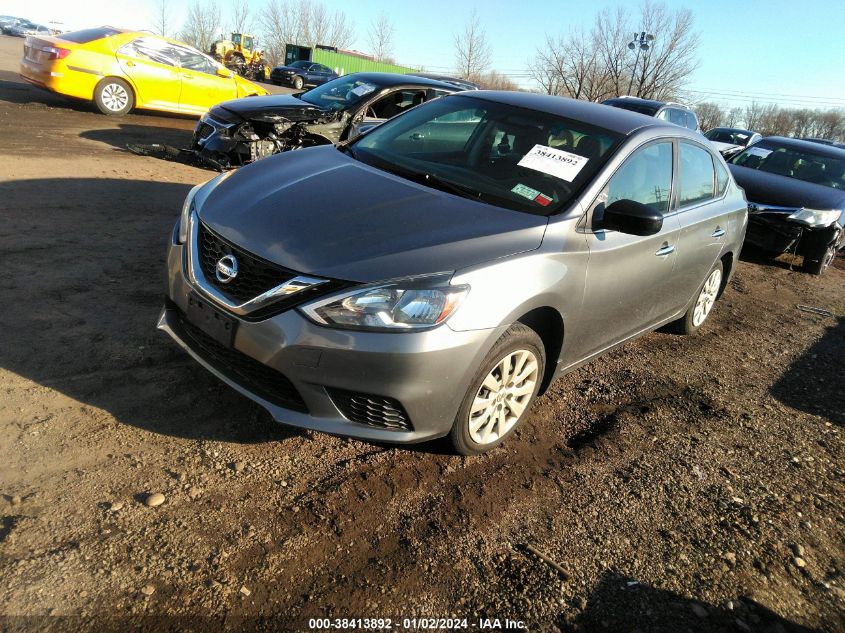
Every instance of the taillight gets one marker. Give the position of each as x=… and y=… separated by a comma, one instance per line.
x=54, y=52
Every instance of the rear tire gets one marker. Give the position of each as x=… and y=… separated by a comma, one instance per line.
x=501, y=392
x=700, y=308
x=114, y=97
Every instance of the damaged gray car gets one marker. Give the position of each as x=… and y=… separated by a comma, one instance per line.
x=241, y=131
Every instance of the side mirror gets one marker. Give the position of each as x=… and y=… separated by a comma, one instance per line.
x=223, y=72
x=631, y=217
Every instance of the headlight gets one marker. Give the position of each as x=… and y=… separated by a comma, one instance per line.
x=401, y=306
x=816, y=217
x=184, y=220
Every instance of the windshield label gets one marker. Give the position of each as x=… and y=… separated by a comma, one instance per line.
x=554, y=162
x=363, y=89
x=759, y=151
x=531, y=194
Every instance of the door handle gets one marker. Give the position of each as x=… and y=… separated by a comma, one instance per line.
x=186, y=77
x=719, y=232
x=130, y=64
x=666, y=249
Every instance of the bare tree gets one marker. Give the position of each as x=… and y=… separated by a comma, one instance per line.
x=752, y=114
x=733, y=117
x=303, y=23
x=161, y=19
x=671, y=58
x=202, y=25
x=612, y=32
x=472, y=52
x=599, y=64
x=242, y=19
x=709, y=115
x=496, y=81
x=381, y=37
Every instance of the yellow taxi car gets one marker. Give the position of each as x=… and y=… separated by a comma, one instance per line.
x=119, y=70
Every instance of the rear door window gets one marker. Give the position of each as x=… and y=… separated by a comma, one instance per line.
x=697, y=175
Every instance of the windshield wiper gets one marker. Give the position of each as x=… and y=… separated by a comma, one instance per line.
x=431, y=180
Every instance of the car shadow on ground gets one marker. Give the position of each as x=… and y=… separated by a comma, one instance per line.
x=82, y=289
x=128, y=133
x=815, y=381
x=621, y=603
x=785, y=261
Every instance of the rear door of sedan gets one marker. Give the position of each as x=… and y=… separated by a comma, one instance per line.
x=705, y=215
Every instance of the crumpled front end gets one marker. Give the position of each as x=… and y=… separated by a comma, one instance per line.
x=781, y=229
x=224, y=140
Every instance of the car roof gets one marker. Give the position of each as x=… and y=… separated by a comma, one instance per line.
x=608, y=117
x=395, y=79
x=821, y=149
x=733, y=129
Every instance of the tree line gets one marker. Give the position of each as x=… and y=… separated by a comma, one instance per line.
x=773, y=120
x=308, y=23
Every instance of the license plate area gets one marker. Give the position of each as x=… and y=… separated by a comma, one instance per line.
x=210, y=320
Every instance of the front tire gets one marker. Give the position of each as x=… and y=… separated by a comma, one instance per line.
x=501, y=392
x=818, y=263
x=700, y=309
x=114, y=97
x=298, y=83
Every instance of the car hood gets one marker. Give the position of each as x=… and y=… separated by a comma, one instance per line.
x=721, y=147
x=765, y=188
x=320, y=212
x=271, y=107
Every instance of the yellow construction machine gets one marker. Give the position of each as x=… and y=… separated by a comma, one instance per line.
x=241, y=56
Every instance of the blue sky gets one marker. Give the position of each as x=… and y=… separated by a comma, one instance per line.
x=787, y=52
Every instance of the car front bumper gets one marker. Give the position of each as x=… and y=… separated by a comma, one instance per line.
x=427, y=373
x=773, y=231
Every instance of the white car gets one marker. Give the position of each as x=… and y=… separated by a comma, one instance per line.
x=730, y=140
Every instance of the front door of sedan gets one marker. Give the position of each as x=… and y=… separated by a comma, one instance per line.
x=152, y=66
x=630, y=283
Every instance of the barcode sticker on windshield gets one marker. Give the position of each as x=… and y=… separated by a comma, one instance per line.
x=554, y=162
x=759, y=151
x=363, y=89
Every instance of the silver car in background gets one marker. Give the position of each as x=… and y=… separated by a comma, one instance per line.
x=434, y=276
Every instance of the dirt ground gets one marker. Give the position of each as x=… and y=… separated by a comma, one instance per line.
x=682, y=484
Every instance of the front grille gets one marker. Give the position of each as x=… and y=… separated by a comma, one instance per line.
x=263, y=381
x=378, y=411
x=204, y=130
x=255, y=275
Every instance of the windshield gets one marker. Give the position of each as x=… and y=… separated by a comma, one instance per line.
x=794, y=162
x=339, y=94
x=734, y=137
x=299, y=64
x=511, y=157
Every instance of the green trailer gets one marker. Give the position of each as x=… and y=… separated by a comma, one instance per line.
x=342, y=63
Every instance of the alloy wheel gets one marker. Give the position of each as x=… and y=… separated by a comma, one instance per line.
x=114, y=97
x=707, y=297
x=503, y=396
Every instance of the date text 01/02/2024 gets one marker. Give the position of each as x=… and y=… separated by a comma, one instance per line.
x=386, y=624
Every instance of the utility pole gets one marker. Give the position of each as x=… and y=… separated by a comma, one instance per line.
x=640, y=43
